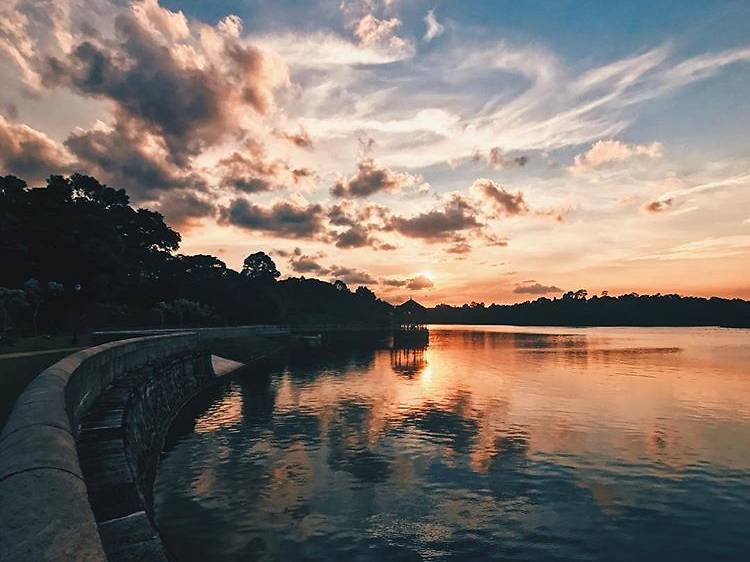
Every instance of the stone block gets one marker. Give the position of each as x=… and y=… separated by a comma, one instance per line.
x=46, y=518
x=38, y=446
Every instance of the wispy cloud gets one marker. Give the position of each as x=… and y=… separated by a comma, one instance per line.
x=433, y=27
x=706, y=248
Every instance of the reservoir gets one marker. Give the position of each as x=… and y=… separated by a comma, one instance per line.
x=493, y=443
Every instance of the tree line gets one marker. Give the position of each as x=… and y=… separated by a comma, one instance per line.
x=75, y=252
x=576, y=308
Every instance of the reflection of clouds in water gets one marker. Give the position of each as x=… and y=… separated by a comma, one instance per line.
x=489, y=440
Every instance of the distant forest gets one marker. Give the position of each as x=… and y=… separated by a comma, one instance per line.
x=577, y=309
x=75, y=252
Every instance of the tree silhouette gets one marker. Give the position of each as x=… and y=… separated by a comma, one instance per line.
x=78, y=231
x=260, y=267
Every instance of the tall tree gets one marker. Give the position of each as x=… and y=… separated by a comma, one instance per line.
x=260, y=267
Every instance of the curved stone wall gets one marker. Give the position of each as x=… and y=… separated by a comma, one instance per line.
x=45, y=513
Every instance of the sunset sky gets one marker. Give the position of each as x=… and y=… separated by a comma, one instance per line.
x=449, y=151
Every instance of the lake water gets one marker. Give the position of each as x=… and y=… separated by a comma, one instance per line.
x=495, y=443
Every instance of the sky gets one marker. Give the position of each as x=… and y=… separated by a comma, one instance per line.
x=448, y=151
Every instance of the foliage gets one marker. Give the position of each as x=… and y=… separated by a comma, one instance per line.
x=575, y=309
x=260, y=267
x=12, y=301
x=77, y=231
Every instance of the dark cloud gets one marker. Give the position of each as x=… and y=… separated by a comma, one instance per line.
x=496, y=159
x=301, y=263
x=298, y=174
x=419, y=283
x=440, y=224
x=657, y=206
x=349, y=213
x=534, y=288
x=247, y=184
x=493, y=240
x=28, y=153
x=371, y=179
x=287, y=253
x=504, y=202
x=191, y=102
x=355, y=237
x=251, y=171
x=415, y=283
x=181, y=207
x=282, y=218
x=459, y=248
x=127, y=156
x=300, y=139
x=351, y=276
x=362, y=222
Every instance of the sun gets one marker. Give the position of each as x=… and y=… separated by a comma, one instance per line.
x=428, y=274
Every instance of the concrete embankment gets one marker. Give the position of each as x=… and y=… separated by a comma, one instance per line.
x=79, y=451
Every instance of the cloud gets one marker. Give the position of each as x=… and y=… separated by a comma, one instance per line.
x=494, y=158
x=657, y=206
x=706, y=248
x=433, y=27
x=459, y=248
x=176, y=87
x=493, y=240
x=323, y=50
x=609, y=152
x=300, y=139
x=283, y=218
x=302, y=263
x=28, y=153
x=249, y=172
x=415, y=283
x=534, y=288
x=128, y=156
x=351, y=276
x=182, y=208
x=355, y=237
x=498, y=161
x=186, y=81
x=503, y=202
x=420, y=282
x=288, y=253
x=371, y=179
x=381, y=34
x=440, y=224
x=361, y=222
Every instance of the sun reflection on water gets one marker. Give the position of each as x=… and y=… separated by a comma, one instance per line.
x=490, y=442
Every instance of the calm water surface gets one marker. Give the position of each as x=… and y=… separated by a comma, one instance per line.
x=495, y=443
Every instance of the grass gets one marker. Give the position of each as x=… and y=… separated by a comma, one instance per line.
x=42, y=343
x=17, y=372
x=19, y=364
